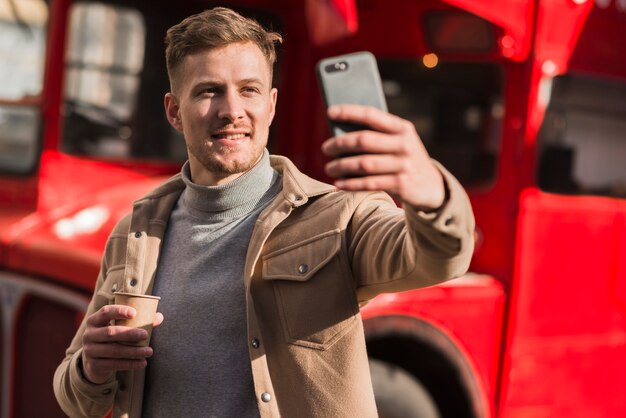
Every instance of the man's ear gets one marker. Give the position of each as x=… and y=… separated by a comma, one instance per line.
x=172, y=111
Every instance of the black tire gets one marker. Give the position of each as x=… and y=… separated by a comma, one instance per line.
x=399, y=394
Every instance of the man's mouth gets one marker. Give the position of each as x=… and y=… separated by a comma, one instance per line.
x=231, y=136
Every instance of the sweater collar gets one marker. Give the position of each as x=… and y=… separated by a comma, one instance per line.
x=235, y=198
x=294, y=184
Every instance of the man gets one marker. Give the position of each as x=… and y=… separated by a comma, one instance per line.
x=260, y=269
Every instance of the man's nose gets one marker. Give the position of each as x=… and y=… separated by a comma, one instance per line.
x=231, y=107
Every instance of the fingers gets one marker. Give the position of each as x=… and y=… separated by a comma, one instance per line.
x=373, y=153
x=116, y=352
x=110, y=312
x=389, y=157
x=364, y=142
x=102, y=359
x=109, y=348
x=377, y=119
x=99, y=331
x=99, y=370
x=368, y=164
x=389, y=183
x=158, y=319
x=389, y=134
x=114, y=333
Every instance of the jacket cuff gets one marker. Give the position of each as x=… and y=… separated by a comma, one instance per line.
x=449, y=228
x=98, y=393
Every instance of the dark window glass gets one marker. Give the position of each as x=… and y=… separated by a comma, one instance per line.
x=456, y=108
x=582, y=141
x=36, y=365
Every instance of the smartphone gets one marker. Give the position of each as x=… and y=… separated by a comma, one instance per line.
x=350, y=79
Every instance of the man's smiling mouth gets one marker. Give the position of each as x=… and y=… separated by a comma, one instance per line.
x=230, y=136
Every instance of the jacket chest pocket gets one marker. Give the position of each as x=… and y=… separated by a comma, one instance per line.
x=313, y=290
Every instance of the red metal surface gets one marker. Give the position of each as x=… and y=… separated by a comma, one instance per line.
x=468, y=310
x=567, y=335
x=515, y=16
x=53, y=77
x=604, y=29
x=330, y=20
x=559, y=24
x=565, y=319
x=63, y=238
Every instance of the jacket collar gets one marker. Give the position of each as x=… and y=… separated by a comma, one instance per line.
x=297, y=187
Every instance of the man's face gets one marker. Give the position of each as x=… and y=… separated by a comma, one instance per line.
x=224, y=104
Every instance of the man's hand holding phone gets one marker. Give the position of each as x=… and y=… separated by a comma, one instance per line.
x=389, y=157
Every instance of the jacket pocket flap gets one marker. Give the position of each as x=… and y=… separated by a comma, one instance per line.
x=302, y=260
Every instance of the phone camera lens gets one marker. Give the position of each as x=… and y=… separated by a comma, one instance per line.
x=336, y=67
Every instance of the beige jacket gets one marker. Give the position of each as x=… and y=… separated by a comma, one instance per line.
x=314, y=255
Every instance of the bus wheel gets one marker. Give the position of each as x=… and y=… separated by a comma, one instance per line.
x=399, y=394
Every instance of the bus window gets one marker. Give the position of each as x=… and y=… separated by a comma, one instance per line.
x=457, y=110
x=23, y=25
x=104, y=60
x=582, y=146
x=115, y=79
x=23, y=31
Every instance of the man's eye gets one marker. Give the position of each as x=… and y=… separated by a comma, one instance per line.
x=250, y=90
x=209, y=91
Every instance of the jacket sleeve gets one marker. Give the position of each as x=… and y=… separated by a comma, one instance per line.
x=393, y=250
x=77, y=396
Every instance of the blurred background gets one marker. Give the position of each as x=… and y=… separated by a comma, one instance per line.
x=523, y=100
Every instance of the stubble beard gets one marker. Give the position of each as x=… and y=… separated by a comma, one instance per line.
x=225, y=166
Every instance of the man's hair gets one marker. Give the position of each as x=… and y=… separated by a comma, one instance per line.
x=216, y=28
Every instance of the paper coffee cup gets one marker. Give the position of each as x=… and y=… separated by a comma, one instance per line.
x=146, y=307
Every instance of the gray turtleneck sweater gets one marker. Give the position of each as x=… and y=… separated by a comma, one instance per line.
x=201, y=365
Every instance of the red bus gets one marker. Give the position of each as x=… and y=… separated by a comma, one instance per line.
x=523, y=100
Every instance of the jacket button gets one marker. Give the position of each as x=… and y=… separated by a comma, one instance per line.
x=266, y=397
x=137, y=234
x=133, y=282
x=255, y=343
x=303, y=268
